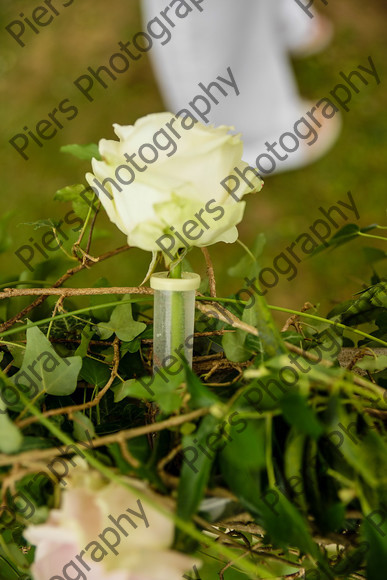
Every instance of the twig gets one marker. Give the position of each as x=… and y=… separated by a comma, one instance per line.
x=213, y=311
x=128, y=456
x=59, y=283
x=65, y=292
x=41, y=454
x=210, y=272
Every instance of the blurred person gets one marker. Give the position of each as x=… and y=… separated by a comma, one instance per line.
x=255, y=38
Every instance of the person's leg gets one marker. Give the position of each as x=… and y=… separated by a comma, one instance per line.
x=245, y=36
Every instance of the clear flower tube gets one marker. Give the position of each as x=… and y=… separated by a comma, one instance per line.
x=174, y=315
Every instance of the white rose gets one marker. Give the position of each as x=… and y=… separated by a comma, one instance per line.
x=166, y=173
x=73, y=544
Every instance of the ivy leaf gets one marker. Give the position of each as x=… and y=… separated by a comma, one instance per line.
x=70, y=192
x=83, y=427
x=86, y=152
x=375, y=534
x=10, y=435
x=201, y=396
x=233, y=344
x=86, y=336
x=44, y=370
x=374, y=255
x=161, y=389
x=122, y=324
x=239, y=346
x=95, y=372
x=47, y=223
x=346, y=234
x=297, y=413
x=81, y=196
x=246, y=264
x=374, y=364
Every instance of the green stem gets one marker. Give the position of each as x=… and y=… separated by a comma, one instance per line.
x=13, y=344
x=177, y=312
x=331, y=322
x=25, y=283
x=176, y=271
x=68, y=314
x=372, y=237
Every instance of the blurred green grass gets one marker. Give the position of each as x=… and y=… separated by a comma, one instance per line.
x=36, y=78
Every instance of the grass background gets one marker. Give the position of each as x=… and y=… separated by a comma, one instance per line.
x=34, y=79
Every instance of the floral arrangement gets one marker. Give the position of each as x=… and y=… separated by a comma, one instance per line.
x=264, y=458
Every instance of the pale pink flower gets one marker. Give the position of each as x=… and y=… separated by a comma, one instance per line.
x=102, y=531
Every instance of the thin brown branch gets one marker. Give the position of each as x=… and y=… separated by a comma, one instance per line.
x=210, y=272
x=65, y=292
x=215, y=310
x=221, y=313
x=59, y=283
x=42, y=454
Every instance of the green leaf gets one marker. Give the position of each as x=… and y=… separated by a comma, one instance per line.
x=233, y=344
x=299, y=414
x=70, y=192
x=373, y=364
x=47, y=223
x=81, y=196
x=201, y=396
x=246, y=266
x=122, y=324
x=161, y=389
x=10, y=435
x=373, y=255
x=243, y=461
x=86, y=152
x=284, y=523
x=293, y=463
x=196, y=468
x=86, y=336
x=346, y=234
x=133, y=346
x=83, y=427
x=365, y=453
x=239, y=345
x=94, y=372
x=374, y=529
x=17, y=353
x=44, y=370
